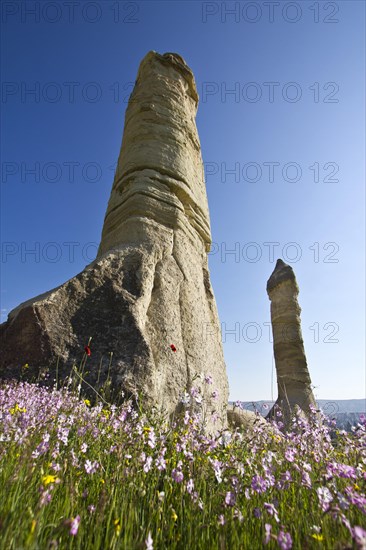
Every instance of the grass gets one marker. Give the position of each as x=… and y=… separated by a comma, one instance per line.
x=82, y=476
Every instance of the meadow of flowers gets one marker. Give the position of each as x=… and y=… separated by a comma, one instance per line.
x=77, y=475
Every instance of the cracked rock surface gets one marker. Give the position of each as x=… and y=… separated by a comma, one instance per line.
x=149, y=286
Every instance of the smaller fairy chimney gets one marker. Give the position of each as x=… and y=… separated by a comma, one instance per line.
x=293, y=378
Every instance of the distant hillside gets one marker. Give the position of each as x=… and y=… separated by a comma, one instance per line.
x=329, y=406
x=346, y=411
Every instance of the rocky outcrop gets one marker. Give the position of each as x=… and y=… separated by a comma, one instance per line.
x=149, y=287
x=293, y=378
x=245, y=420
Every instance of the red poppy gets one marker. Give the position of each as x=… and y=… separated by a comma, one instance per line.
x=87, y=350
x=172, y=347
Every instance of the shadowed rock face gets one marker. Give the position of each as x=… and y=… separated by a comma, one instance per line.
x=149, y=286
x=293, y=379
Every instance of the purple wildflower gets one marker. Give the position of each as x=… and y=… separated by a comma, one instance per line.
x=147, y=465
x=284, y=540
x=357, y=500
x=177, y=475
x=346, y=522
x=45, y=498
x=185, y=399
x=237, y=514
x=190, y=486
x=226, y=438
x=208, y=379
x=91, y=467
x=290, y=454
x=259, y=484
x=271, y=510
x=160, y=463
x=234, y=481
x=270, y=480
x=268, y=528
x=359, y=534
x=151, y=439
x=335, y=469
x=305, y=479
x=230, y=498
x=325, y=497
x=74, y=526
x=285, y=480
x=149, y=542
x=343, y=502
x=217, y=469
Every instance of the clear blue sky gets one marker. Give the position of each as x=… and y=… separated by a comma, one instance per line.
x=292, y=130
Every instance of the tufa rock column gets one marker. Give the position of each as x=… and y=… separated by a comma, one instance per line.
x=293, y=378
x=149, y=287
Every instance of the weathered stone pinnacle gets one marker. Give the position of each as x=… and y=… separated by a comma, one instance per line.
x=293, y=378
x=159, y=177
x=149, y=287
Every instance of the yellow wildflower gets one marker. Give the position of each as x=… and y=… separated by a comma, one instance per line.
x=117, y=526
x=87, y=402
x=174, y=515
x=17, y=409
x=48, y=479
x=317, y=537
